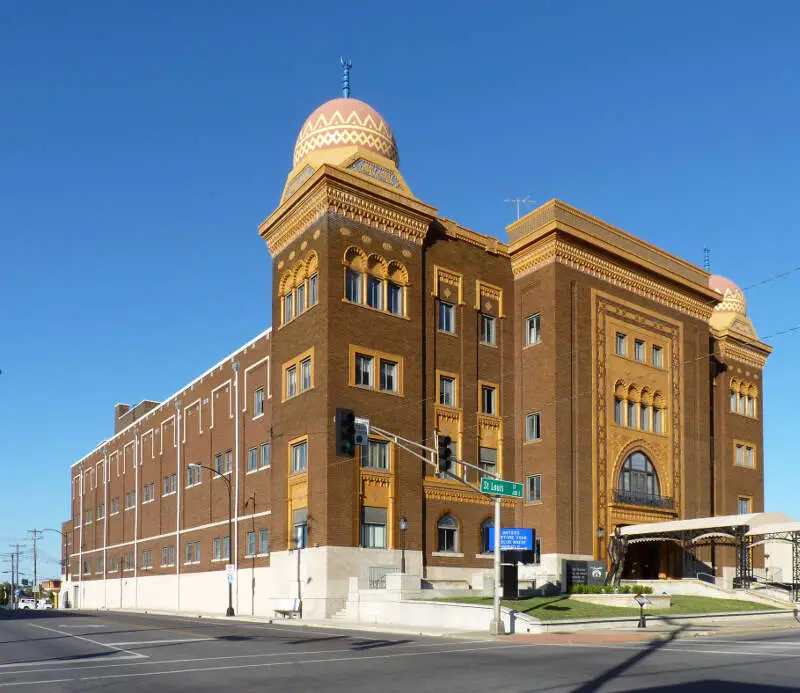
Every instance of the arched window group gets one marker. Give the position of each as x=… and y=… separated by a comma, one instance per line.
x=299, y=288
x=639, y=407
x=743, y=398
x=373, y=281
x=638, y=476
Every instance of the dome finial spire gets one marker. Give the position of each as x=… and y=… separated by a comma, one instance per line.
x=346, y=65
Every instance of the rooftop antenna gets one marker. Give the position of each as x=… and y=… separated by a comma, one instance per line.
x=346, y=65
x=519, y=201
x=707, y=259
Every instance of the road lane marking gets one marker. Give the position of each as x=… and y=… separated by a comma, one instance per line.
x=133, y=643
x=115, y=657
x=84, y=638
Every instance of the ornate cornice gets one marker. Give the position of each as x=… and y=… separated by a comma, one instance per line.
x=452, y=493
x=749, y=355
x=488, y=243
x=330, y=190
x=558, y=250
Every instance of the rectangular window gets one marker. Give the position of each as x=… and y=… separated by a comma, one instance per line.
x=631, y=415
x=734, y=401
x=744, y=506
x=264, y=455
x=146, y=495
x=189, y=552
x=658, y=357
x=193, y=473
x=299, y=456
x=114, y=506
x=533, y=427
x=644, y=417
x=197, y=551
x=622, y=344
x=113, y=564
x=130, y=500
x=313, y=291
x=147, y=559
x=221, y=548
x=487, y=460
x=99, y=565
x=301, y=298
x=101, y=511
x=447, y=391
x=740, y=455
x=638, y=350
x=300, y=528
x=353, y=284
x=288, y=305
x=217, y=552
x=364, y=370
x=252, y=459
x=226, y=547
x=488, y=335
x=218, y=463
x=305, y=374
x=619, y=411
x=533, y=331
x=168, y=556
x=263, y=542
x=291, y=381
x=251, y=543
x=749, y=457
x=88, y=517
x=258, y=402
x=228, y=461
x=376, y=456
x=388, y=376
x=533, y=488
x=375, y=293
x=394, y=295
x=166, y=486
x=751, y=406
x=742, y=409
x=447, y=317
x=658, y=421
x=373, y=528
x=489, y=400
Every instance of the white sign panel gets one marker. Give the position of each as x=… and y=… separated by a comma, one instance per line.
x=362, y=431
x=229, y=569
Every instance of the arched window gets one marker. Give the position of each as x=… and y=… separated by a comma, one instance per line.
x=638, y=478
x=486, y=525
x=447, y=534
x=374, y=282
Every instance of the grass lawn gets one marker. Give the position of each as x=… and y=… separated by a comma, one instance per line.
x=553, y=608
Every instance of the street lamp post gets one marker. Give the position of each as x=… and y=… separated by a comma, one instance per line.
x=403, y=528
x=197, y=465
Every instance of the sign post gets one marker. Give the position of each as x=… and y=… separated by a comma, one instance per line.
x=496, y=627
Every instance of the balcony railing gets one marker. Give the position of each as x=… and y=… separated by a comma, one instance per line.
x=646, y=499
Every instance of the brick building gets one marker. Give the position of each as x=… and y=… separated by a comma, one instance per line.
x=618, y=383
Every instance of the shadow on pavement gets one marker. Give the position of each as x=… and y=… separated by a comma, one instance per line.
x=715, y=686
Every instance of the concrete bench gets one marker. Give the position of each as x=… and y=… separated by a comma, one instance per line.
x=289, y=608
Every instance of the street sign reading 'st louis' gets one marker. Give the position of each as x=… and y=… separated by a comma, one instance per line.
x=498, y=487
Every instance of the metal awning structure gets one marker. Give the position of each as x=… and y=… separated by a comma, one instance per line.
x=733, y=530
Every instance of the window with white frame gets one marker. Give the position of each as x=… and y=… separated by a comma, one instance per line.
x=251, y=543
x=128, y=560
x=313, y=290
x=299, y=456
x=447, y=391
x=533, y=427
x=447, y=317
x=619, y=411
x=170, y=484
x=99, y=564
x=130, y=500
x=487, y=461
x=288, y=307
x=194, y=473
x=263, y=542
x=632, y=414
x=644, y=417
x=192, y=551
x=375, y=293
x=305, y=374
x=533, y=329
x=388, y=380
x=364, y=369
x=533, y=488
x=300, y=528
x=447, y=534
x=258, y=402
x=301, y=298
x=621, y=344
x=658, y=420
x=744, y=505
x=658, y=357
x=353, y=284
x=168, y=555
x=376, y=455
x=149, y=493
x=264, y=456
x=88, y=514
x=147, y=559
x=101, y=511
x=489, y=400
x=373, y=527
x=221, y=548
x=252, y=459
x=638, y=350
x=115, y=505
x=488, y=330
x=291, y=381
x=228, y=461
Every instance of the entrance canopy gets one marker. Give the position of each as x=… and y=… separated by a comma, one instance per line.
x=701, y=526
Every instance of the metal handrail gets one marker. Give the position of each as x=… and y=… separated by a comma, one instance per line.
x=646, y=499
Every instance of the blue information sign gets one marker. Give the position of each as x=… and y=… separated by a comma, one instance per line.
x=512, y=539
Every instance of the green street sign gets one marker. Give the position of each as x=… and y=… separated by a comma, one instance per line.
x=498, y=487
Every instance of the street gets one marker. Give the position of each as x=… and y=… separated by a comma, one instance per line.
x=73, y=651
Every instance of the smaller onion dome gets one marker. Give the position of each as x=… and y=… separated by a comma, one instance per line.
x=733, y=300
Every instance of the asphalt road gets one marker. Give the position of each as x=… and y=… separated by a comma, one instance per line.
x=70, y=651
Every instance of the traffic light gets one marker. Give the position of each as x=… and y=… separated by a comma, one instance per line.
x=345, y=433
x=445, y=454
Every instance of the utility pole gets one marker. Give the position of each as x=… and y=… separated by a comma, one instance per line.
x=13, y=582
x=36, y=534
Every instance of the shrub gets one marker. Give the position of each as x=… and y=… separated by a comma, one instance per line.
x=641, y=589
x=624, y=589
x=608, y=589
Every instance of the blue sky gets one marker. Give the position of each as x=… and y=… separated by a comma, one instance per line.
x=141, y=143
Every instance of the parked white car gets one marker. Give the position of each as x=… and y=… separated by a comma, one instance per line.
x=44, y=604
x=26, y=603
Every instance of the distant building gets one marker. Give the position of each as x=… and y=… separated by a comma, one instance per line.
x=620, y=384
